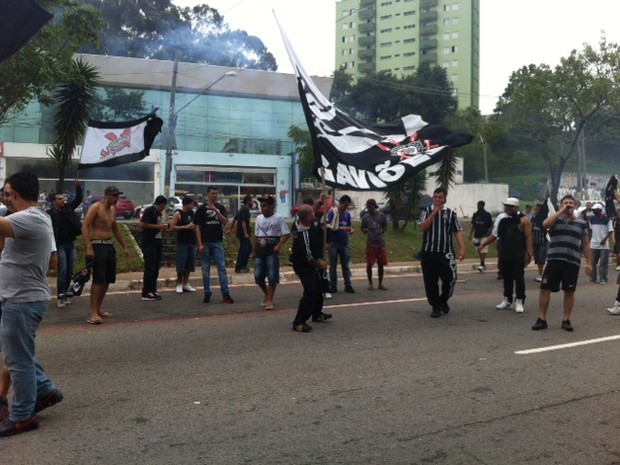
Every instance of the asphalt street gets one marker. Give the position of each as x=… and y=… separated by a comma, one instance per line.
x=182, y=382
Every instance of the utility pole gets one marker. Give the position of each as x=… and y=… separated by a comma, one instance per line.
x=171, y=126
x=484, y=155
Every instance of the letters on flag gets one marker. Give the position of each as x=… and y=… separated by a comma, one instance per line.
x=19, y=21
x=117, y=143
x=361, y=156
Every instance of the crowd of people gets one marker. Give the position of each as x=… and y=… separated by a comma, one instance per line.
x=34, y=241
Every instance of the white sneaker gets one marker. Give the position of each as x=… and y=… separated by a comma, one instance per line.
x=538, y=280
x=179, y=288
x=481, y=268
x=519, y=306
x=618, y=268
x=504, y=304
x=615, y=310
x=188, y=288
x=61, y=303
x=327, y=295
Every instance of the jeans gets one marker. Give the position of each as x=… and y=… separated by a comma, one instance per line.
x=215, y=250
x=152, y=264
x=514, y=277
x=18, y=330
x=66, y=265
x=600, y=263
x=267, y=268
x=339, y=251
x=245, y=249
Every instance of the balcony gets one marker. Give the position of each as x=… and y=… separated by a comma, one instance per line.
x=428, y=3
x=366, y=41
x=431, y=29
x=367, y=68
x=366, y=54
x=366, y=14
x=428, y=44
x=429, y=16
x=366, y=28
x=363, y=3
x=428, y=57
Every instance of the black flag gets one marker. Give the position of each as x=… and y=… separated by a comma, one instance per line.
x=19, y=21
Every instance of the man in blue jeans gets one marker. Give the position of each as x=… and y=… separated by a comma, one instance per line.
x=29, y=248
x=210, y=219
x=339, y=220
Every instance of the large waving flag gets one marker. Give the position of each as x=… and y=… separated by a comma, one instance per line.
x=117, y=143
x=19, y=21
x=360, y=156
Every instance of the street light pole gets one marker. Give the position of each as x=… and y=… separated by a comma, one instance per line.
x=172, y=120
x=484, y=155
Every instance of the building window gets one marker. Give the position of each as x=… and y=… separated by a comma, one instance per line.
x=409, y=26
x=446, y=50
x=446, y=21
x=455, y=7
x=455, y=63
x=409, y=13
x=455, y=20
x=446, y=36
x=385, y=57
x=408, y=41
x=455, y=35
x=386, y=17
x=386, y=44
x=408, y=54
x=454, y=78
x=455, y=49
x=386, y=31
x=408, y=68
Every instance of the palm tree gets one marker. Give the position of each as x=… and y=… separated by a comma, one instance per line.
x=74, y=100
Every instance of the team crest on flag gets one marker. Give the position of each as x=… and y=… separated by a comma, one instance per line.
x=117, y=143
x=361, y=156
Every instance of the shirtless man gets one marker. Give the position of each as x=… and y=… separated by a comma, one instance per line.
x=97, y=230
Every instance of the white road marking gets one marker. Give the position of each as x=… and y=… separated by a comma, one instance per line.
x=567, y=346
x=375, y=302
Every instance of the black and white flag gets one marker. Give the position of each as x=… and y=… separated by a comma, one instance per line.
x=361, y=156
x=20, y=20
x=117, y=143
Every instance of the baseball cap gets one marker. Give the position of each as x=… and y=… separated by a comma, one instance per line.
x=511, y=202
x=597, y=206
x=112, y=190
x=267, y=198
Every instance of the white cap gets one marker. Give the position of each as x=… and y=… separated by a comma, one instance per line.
x=511, y=202
x=597, y=206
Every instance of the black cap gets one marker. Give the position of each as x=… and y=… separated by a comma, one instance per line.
x=112, y=190
x=268, y=198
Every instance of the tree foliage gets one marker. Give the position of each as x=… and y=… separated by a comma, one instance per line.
x=45, y=61
x=158, y=29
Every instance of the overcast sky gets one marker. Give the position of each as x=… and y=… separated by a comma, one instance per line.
x=513, y=33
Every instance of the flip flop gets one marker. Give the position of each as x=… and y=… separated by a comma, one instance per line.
x=269, y=307
x=106, y=314
x=382, y=287
x=371, y=287
x=94, y=321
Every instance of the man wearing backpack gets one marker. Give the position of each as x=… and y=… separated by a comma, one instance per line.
x=515, y=249
x=67, y=227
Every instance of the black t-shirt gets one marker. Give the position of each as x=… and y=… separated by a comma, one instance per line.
x=186, y=236
x=242, y=215
x=482, y=223
x=212, y=230
x=511, y=242
x=151, y=237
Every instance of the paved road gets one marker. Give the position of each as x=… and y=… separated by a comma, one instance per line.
x=181, y=382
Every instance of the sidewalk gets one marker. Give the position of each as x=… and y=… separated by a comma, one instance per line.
x=168, y=276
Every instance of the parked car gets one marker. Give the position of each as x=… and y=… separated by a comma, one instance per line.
x=174, y=204
x=124, y=207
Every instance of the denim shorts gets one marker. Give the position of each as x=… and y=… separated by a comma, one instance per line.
x=186, y=258
x=267, y=267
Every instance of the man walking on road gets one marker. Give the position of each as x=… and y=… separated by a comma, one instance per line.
x=210, y=219
x=183, y=224
x=481, y=226
x=67, y=227
x=152, y=226
x=339, y=220
x=97, y=230
x=29, y=249
x=374, y=225
x=242, y=220
x=568, y=240
x=439, y=223
x=601, y=230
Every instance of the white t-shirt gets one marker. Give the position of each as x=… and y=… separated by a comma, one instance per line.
x=268, y=231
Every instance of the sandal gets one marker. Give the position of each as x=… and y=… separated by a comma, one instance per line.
x=382, y=287
x=269, y=307
x=94, y=321
x=370, y=287
x=105, y=314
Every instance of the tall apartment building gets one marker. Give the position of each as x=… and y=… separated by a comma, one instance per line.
x=399, y=35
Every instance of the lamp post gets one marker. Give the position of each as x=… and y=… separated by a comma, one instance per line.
x=172, y=120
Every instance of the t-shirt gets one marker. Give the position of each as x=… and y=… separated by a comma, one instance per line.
x=338, y=235
x=482, y=223
x=25, y=257
x=151, y=237
x=212, y=230
x=438, y=238
x=186, y=236
x=376, y=225
x=511, y=242
x=566, y=240
x=243, y=215
x=600, y=227
x=269, y=230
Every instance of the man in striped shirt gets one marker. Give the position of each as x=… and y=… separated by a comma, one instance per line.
x=568, y=239
x=439, y=223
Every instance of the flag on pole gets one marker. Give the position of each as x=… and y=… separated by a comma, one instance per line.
x=117, y=143
x=362, y=156
x=19, y=21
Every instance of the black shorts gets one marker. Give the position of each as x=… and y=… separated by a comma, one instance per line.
x=559, y=271
x=104, y=266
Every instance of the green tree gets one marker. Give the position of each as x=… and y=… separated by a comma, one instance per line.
x=44, y=62
x=119, y=105
x=550, y=107
x=158, y=29
x=74, y=101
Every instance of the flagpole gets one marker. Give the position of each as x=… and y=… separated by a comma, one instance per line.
x=324, y=200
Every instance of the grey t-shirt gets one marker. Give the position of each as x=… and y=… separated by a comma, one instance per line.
x=25, y=257
x=376, y=225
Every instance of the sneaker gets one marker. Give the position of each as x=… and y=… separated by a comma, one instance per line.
x=61, y=302
x=227, y=299
x=303, y=328
x=504, y=304
x=538, y=279
x=445, y=307
x=519, y=306
x=540, y=324
x=349, y=289
x=481, y=268
x=51, y=399
x=436, y=313
x=615, y=310
x=157, y=296
x=603, y=281
x=618, y=268
x=179, y=288
x=206, y=299
x=9, y=427
x=566, y=326
x=333, y=290
x=322, y=317
x=150, y=297
x=188, y=288
x=4, y=408
x=327, y=295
